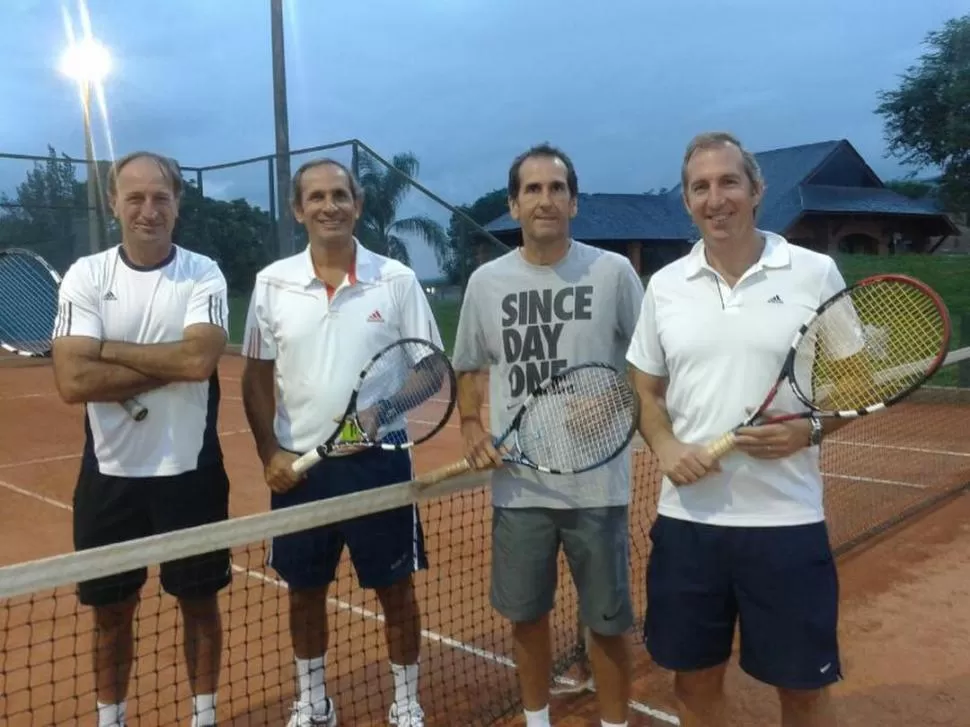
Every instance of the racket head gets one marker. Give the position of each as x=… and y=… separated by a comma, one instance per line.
x=408, y=386
x=28, y=302
x=577, y=420
x=870, y=346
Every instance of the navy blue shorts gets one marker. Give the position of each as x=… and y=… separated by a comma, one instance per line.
x=778, y=583
x=384, y=547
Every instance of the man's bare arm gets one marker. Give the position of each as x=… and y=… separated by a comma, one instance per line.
x=80, y=377
x=194, y=358
x=259, y=403
x=654, y=423
x=470, y=396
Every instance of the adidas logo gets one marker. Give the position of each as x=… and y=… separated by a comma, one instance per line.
x=110, y=296
x=375, y=317
x=775, y=299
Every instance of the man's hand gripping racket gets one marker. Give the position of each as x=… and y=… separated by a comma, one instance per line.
x=572, y=422
x=408, y=386
x=864, y=349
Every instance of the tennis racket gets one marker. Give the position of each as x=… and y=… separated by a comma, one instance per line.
x=28, y=309
x=573, y=422
x=407, y=386
x=864, y=349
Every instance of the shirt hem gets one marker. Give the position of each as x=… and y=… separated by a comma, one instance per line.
x=743, y=521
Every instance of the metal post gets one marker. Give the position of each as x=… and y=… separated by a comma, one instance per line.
x=94, y=209
x=285, y=229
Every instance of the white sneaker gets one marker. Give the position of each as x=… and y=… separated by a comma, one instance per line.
x=412, y=717
x=303, y=715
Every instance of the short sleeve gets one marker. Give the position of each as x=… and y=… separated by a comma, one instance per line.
x=471, y=351
x=629, y=300
x=209, y=302
x=843, y=333
x=646, y=352
x=78, y=304
x=832, y=283
x=416, y=317
x=258, y=341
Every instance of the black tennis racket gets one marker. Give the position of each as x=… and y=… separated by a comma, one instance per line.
x=573, y=422
x=864, y=349
x=408, y=386
x=28, y=309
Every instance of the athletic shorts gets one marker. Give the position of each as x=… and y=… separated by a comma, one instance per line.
x=525, y=552
x=109, y=509
x=384, y=547
x=779, y=583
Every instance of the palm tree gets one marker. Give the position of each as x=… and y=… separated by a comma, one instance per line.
x=385, y=189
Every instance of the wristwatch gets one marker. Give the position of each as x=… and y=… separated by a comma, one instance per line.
x=815, y=438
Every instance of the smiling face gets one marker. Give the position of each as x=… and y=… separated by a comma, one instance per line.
x=719, y=194
x=327, y=206
x=145, y=203
x=544, y=204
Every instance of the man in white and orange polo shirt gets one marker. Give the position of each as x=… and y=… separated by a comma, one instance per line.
x=314, y=320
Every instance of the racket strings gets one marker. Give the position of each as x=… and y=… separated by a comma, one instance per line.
x=580, y=421
x=408, y=386
x=871, y=346
x=28, y=303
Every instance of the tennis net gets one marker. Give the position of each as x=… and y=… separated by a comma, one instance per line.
x=878, y=470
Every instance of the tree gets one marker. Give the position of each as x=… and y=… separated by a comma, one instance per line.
x=48, y=212
x=385, y=190
x=235, y=234
x=469, y=246
x=912, y=188
x=927, y=119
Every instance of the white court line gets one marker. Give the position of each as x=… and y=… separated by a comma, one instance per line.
x=874, y=480
x=367, y=614
x=898, y=448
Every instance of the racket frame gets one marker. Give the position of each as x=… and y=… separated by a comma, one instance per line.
x=722, y=445
x=135, y=409
x=331, y=447
x=512, y=430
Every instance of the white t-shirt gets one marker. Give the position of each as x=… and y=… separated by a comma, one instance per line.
x=721, y=351
x=107, y=297
x=320, y=339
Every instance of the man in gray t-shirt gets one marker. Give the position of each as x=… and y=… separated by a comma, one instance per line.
x=537, y=310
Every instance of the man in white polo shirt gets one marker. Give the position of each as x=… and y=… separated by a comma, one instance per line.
x=743, y=539
x=314, y=320
x=147, y=318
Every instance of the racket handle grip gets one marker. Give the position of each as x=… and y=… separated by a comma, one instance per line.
x=136, y=410
x=721, y=446
x=305, y=462
x=443, y=473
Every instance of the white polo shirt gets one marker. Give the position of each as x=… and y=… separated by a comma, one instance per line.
x=321, y=338
x=107, y=297
x=721, y=351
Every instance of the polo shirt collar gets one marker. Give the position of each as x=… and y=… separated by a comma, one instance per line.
x=776, y=254
x=366, y=267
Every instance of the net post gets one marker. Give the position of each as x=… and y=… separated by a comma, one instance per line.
x=963, y=367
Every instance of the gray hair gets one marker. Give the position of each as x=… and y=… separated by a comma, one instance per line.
x=713, y=140
x=169, y=168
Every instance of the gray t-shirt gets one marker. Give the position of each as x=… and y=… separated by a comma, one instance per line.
x=524, y=322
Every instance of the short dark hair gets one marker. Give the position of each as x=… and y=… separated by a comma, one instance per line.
x=296, y=190
x=169, y=168
x=542, y=150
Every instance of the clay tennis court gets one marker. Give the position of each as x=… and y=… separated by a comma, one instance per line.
x=905, y=620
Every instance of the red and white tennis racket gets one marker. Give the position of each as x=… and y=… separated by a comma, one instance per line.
x=864, y=349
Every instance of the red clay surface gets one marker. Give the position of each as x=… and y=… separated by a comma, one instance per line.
x=905, y=621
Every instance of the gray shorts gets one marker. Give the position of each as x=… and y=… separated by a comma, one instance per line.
x=525, y=550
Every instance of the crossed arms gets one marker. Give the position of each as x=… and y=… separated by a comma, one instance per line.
x=87, y=369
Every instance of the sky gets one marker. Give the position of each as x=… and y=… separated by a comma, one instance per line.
x=464, y=84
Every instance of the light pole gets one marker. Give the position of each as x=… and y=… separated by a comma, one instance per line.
x=284, y=228
x=87, y=62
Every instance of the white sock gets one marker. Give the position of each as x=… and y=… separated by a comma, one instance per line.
x=405, y=684
x=539, y=718
x=313, y=690
x=112, y=715
x=604, y=723
x=204, y=710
